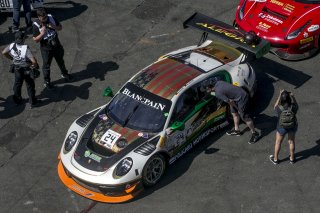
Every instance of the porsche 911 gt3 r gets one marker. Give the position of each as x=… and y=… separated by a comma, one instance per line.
x=112, y=152
x=291, y=26
x=7, y=5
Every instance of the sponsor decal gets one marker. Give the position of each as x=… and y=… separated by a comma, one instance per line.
x=196, y=141
x=103, y=117
x=109, y=138
x=306, y=40
x=305, y=35
x=263, y=26
x=313, y=28
x=128, y=186
x=270, y=18
x=81, y=190
x=258, y=0
x=227, y=33
x=143, y=100
x=288, y=7
x=277, y=2
x=305, y=46
x=92, y=156
x=143, y=135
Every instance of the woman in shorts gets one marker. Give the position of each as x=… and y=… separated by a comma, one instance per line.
x=285, y=101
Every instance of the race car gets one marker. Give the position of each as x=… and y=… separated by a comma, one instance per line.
x=291, y=26
x=112, y=152
x=7, y=5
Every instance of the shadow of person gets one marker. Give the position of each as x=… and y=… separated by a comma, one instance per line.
x=10, y=108
x=96, y=70
x=314, y=151
x=179, y=167
x=65, y=93
x=65, y=10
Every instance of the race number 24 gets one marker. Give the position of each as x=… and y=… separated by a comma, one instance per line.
x=4, y=3
x=110, y=138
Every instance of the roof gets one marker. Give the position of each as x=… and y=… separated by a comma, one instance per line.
x=165, y=78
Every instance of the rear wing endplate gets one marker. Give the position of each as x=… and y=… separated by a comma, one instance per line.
x=226, y=31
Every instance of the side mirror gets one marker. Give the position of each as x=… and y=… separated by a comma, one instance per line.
x=108, y=92
x=178, y=126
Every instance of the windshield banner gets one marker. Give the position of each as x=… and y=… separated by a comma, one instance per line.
x=146, y=98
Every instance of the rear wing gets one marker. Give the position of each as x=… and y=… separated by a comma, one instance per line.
x=228, y=32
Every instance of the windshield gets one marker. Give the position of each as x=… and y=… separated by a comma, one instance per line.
x=138, y=109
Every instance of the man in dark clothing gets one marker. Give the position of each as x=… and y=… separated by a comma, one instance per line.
x=23, y=61
x=237, y=98
x=16, y=14
x=45, y=31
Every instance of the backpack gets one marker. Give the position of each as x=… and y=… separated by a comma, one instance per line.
x=287, y=118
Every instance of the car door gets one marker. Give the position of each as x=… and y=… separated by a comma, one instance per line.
x=194, y=111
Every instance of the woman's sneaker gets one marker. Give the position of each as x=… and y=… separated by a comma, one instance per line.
x=292, y=161
x=271, y=157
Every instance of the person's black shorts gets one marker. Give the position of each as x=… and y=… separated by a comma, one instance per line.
x=242, y=109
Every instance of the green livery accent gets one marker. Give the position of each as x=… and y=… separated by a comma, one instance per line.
x=199, y=132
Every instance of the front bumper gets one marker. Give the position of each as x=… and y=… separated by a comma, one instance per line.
x=284, y=54
x=102, y=193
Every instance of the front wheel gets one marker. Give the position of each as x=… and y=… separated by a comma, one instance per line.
x=153, y=170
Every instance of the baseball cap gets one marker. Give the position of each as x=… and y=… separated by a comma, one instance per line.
x=19, y=37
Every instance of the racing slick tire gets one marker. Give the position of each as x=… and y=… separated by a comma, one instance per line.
x=153, y=170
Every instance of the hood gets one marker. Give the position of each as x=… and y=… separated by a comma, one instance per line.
x=104, y=143
x=273, y=19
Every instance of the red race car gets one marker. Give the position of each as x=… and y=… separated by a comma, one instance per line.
x=291, y=26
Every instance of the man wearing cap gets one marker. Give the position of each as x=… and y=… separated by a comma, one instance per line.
x=45, y=31
x=237, y=98
x=23, y=61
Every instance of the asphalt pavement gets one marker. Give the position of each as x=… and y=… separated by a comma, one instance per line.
x=106, y=42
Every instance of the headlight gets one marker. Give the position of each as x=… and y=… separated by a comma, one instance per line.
x=70, y=141
x=241, y=11
x=295, y=33
x=123, y=167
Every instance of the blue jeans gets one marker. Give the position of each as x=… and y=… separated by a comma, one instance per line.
x=16, y=12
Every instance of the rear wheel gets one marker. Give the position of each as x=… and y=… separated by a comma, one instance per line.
x=153, y=170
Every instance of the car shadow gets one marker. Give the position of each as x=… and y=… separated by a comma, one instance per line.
x=265, y=68
x=61, y=10
x=182, y=164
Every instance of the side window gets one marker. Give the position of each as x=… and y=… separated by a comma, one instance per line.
x=185, y=104
x=195, y=95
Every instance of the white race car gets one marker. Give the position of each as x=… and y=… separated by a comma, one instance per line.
x=7, y=5
x=111, y=153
